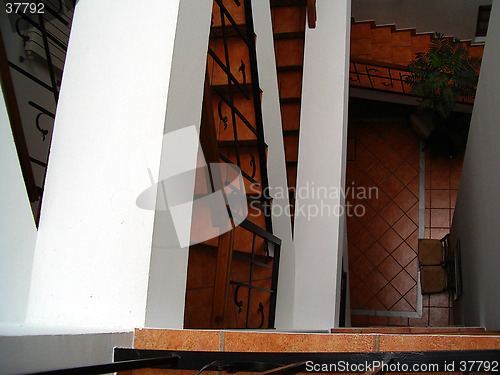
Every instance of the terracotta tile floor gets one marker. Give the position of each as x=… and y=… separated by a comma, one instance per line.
x=383, y=242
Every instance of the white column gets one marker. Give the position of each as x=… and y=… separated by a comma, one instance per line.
x=17, y=229
x=168, y=272
x=319, y=229
x=477, y=212
x=92, y=259
x=276, y=166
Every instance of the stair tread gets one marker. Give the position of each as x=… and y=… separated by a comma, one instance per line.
x=290, y=35
x=231, y=31
x=290, y=68
x=287, y=3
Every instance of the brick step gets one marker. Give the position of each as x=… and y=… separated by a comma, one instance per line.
x=388, y=44
x=248, y=341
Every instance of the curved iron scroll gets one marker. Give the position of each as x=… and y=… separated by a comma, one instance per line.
x=260, y=311
x=242, y=70
x=43, y=131
x=266, y=248
x=239, y=304
x=252, y=163
x=221, y=116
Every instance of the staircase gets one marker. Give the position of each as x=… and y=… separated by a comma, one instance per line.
x=387, y=44
x=230, y=278
x=289, y=20
x=234, y=127
x=380, y=55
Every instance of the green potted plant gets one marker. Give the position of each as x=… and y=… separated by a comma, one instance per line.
x=440, y=77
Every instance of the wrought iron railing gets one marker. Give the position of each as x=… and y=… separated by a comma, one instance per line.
x=271, y=247
x=382, y=76
x=234, y=80
x=43, y=33
x=379, y=75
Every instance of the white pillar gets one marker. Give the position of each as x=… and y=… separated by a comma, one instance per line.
x=168, y=271
x=92, y=259
x=477, y=212
x=17, y=229
x=276, y=166
x=319, y=230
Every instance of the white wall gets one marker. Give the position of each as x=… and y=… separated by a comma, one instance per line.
x=322, y=159
x=275, y=161
x=17, y=229
x=92, y=255
x=456, y=18
x=42, y=352
x=477, y=213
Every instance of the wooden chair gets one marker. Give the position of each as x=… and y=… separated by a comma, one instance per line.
x=436, y=265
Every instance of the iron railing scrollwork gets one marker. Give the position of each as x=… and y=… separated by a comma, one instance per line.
x=44, y=37
x=235, y=93
x=382, y=76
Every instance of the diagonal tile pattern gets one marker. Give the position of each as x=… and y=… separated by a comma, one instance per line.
x=383, y=242
x=442, y=180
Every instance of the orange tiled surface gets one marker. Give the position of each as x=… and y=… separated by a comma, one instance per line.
x=241, y=341
x=383, y=243
x=347, y=340
x=442, y=182
x=442, y=178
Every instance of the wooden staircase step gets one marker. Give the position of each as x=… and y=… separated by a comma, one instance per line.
x=216, y=32
x=289, y=68
x=289, y=19
x=290, y=116
x=224, y=88
x=245, y=143
x=289, y=35
x=289, y=52
x=287, y=3
x=290, y=84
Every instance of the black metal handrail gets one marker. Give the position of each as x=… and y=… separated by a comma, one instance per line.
x=327, y=362
x=132, y=364
x=390, y=77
